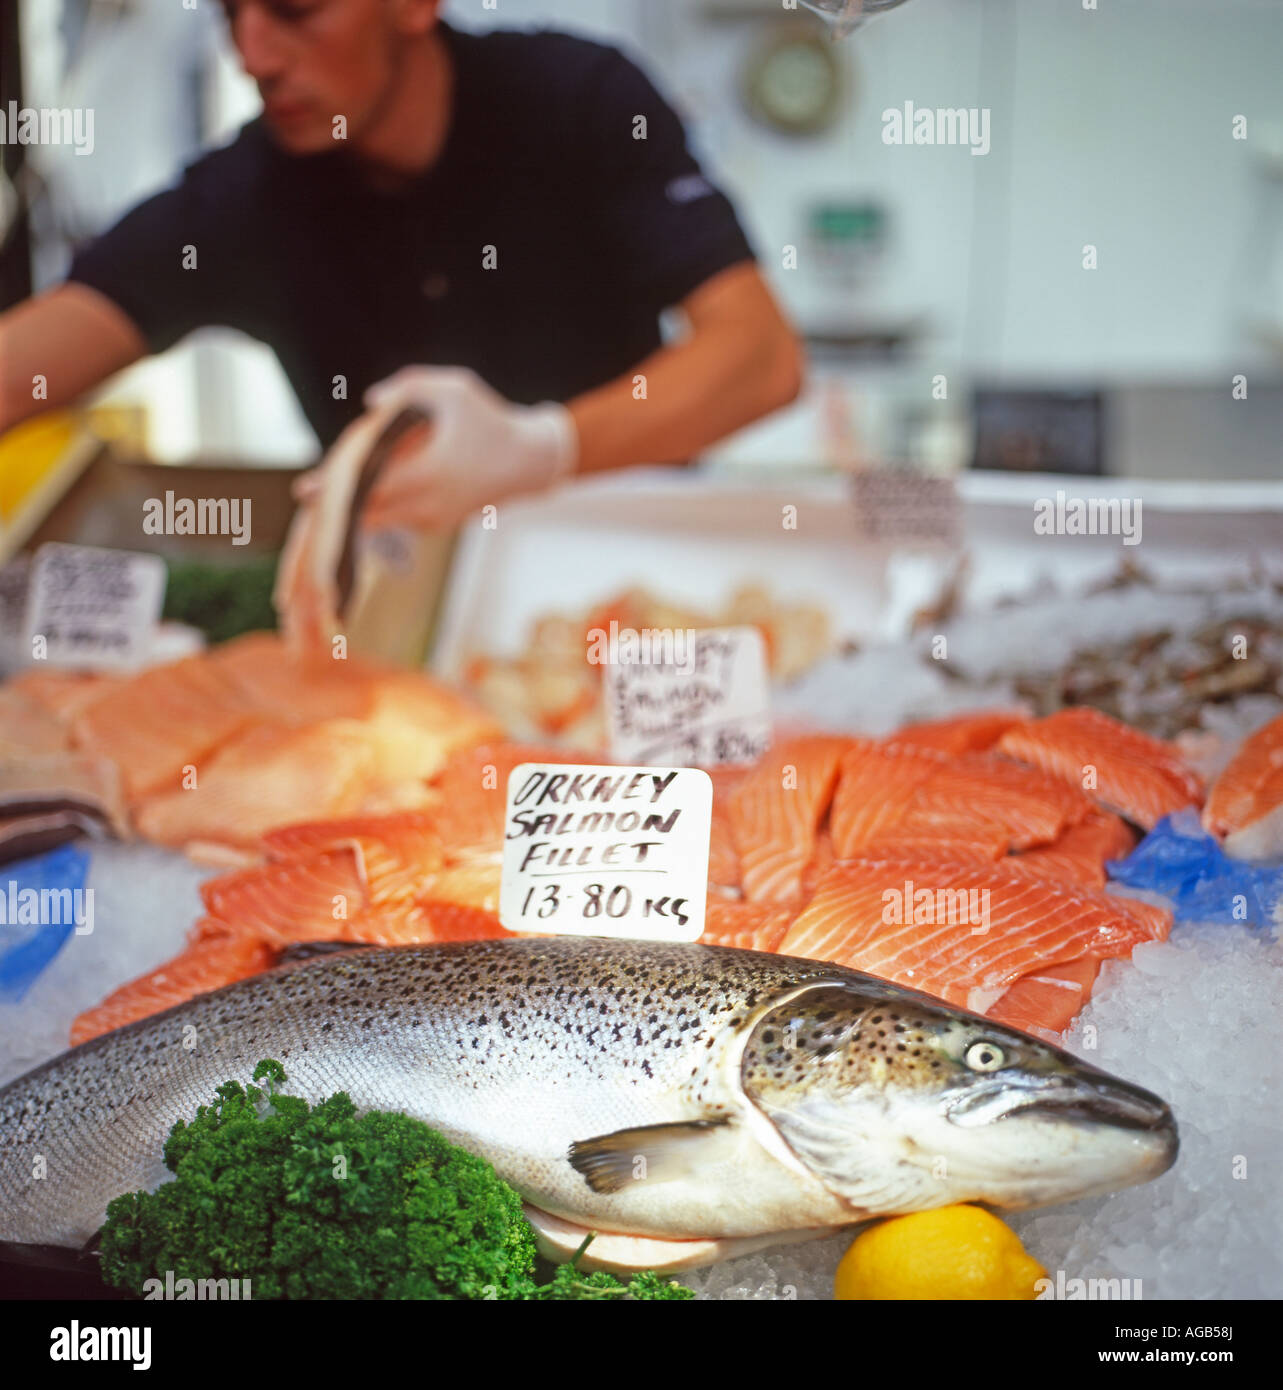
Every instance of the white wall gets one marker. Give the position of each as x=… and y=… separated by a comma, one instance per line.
x=1110, y=126
x=1120, y=135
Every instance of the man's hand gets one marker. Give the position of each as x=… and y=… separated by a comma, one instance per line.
x=480, y=449
x=476, y=449
x=739, y=360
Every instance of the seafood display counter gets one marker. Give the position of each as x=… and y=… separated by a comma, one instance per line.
x=1014, y=855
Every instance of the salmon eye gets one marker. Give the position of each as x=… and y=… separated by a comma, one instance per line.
x=985, y=1056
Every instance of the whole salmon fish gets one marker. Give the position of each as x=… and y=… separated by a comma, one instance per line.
x=686, y=1101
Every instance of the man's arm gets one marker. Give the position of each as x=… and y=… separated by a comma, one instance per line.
x=740, y=361
x=67, y=340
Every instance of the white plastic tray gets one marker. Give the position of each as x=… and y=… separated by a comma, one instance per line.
x=694, y=538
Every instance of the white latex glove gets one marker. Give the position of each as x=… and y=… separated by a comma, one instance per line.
x=479, y=450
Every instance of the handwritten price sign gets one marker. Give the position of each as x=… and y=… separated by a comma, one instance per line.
x=712, y=708
x=606, y=851
x=93, y=608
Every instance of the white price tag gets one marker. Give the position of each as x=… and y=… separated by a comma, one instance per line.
x=706, y=704
x=606, y=851
x=91, y=607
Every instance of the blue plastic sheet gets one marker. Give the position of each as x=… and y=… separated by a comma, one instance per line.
x=34, y=888
x=1180, y=860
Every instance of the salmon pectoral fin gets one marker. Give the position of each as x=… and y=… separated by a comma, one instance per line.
x=559, y=1240
x=654, y=1153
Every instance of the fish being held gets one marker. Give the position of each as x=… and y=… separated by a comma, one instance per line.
x=686, y=1101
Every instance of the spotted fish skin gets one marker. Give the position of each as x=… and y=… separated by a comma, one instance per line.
x=514, y=1048
x=628, y=1086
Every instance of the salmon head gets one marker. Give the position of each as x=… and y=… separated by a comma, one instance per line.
x=897, y=1102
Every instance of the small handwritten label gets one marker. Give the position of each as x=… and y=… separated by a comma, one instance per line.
x=92, y=607
x=902, y=504
x=606, y=851
x=712, y=707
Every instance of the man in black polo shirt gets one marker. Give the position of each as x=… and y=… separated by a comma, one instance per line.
x=488, y=226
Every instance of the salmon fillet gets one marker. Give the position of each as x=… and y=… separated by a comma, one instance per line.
x=449, y=921
x=470, y=883
x=397, y=853
x=27, y=727
x=877, y=784
x=1243, y=806
x=893, y=791
x=944, y=848
x=473, y=786
x=980, y=795
x=162, y=720
x=750, y=926
x=416, y=725
x=1140, y=777
x=268, y=776
x=1032, y=923
x=963, y=733
x=775, y=813
x=410, y=923
x=1079, y=854
x=208, y=964
x=1047, y=1002
x=723, y=857
x=281, y=904
x=293, y=687
x=64, y=694
x=821, y=861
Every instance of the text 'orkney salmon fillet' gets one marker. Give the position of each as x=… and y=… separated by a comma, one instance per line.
x=964, y=932
x=1245, y=805
x=775, y=813
x=1140, y=777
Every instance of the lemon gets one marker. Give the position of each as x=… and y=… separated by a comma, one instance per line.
x=954, y=1252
